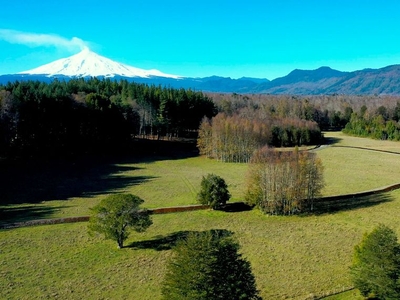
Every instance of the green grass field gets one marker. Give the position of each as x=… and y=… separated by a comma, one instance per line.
x=340, y=139
x=292, y=257
x=350, y=295
x=71, y=189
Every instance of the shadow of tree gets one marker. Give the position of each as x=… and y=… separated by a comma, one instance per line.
x=37, y=181
x=152, y=150
x=349, y=203
x=41, y=179
x=26, y=213
x=236, y=207
x=167, y=242
x=30, y=181
x=331, y=140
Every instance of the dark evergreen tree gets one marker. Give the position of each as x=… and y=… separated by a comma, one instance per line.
x=208, y=266
x=213, y=191
x=376, y=265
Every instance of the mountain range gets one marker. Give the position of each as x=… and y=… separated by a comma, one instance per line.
x=298, y=82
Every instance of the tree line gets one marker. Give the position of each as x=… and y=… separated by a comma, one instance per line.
x=382, y=123
x=330, y=112
x=94, y=115
x=234, y=138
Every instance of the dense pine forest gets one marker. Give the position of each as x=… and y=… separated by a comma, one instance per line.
x=93, y=116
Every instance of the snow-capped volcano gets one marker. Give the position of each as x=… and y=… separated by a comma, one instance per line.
x=88, y=63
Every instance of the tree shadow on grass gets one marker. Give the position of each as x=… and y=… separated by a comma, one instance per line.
x=167, y=242
x=349, y=203
x=26, y=213
x=26, y=185
x=37, y=181
x=236, y=207
x=33, y=180
x=331, y=140
x=152, y=150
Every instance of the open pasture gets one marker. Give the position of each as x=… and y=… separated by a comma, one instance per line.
x=292, y=257
x=71, y=188
x=340, y=139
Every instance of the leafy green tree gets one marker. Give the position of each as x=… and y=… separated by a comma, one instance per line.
x=115, y=214
x=213, y=191
x=376, y=264
x=207, y=266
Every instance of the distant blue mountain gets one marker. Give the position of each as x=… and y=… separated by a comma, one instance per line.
x=209, y=84
x=323, y=80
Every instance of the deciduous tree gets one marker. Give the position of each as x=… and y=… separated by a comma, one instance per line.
x=284, y=182
x=115, y=214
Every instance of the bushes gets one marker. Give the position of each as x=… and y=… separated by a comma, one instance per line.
x=213, y=191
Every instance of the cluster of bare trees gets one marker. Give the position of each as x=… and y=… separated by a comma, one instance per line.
x=284, y=182
x=233, y=138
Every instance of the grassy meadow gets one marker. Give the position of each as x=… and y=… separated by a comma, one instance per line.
x=71, y=188
x=294, y=257
x=340, y=139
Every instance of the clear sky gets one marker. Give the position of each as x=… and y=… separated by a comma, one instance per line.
x=253, y=38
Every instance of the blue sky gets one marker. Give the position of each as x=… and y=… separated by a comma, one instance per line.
x=253, y=38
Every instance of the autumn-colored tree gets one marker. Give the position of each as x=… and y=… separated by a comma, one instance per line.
x=284, y=182
x=234, y=138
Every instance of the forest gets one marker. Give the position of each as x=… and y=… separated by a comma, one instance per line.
x=86, y=116
x=93, y=116
x=375, y=116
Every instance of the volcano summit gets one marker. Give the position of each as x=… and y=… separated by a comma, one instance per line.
x=87, y=63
